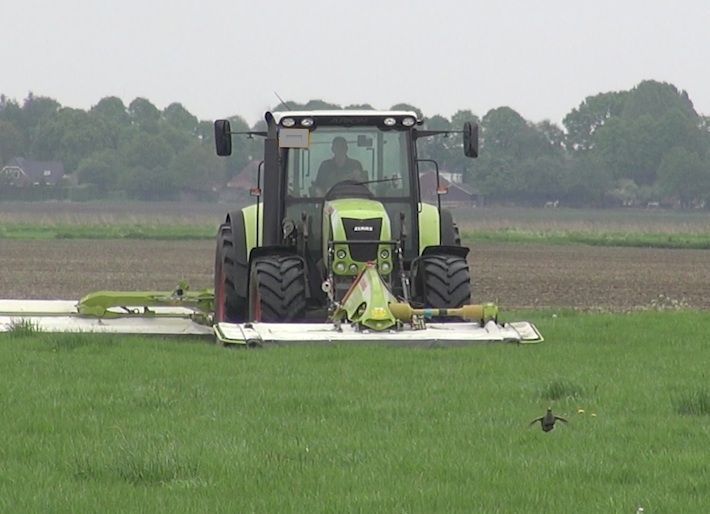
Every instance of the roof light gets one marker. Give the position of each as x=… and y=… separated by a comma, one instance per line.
x=307, y=122
x=288, y=122
x=340, y=254
x=390, y=122
x=408, y=122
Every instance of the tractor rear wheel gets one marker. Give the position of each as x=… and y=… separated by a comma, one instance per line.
x=443, y=281
x=277, y=289
x=449, y=231
x=230, y=306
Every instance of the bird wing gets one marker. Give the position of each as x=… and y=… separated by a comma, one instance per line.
x=536, y=420
x=561, y=419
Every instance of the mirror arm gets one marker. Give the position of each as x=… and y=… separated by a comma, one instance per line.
x=427, y=133
x=249, y=133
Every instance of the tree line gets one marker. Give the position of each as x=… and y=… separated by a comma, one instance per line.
x=633, y=147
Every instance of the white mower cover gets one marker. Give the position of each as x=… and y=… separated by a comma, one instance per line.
x=435, y=334
x=62, y=316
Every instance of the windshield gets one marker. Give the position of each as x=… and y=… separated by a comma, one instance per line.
x=363, y=154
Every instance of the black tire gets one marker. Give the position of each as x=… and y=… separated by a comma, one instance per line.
x=443, y=281
x=277, y=289
x=230, y=306
x=449, y=231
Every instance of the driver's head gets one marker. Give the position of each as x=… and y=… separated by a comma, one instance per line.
x=339, y=147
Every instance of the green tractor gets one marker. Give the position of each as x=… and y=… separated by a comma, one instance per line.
x=338, y=190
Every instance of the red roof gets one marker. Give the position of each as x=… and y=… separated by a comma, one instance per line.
x=456, y=192
x=245, y=179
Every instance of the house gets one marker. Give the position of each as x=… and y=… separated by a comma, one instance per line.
x=457, y=192
x=243, y=182
x=23, y=172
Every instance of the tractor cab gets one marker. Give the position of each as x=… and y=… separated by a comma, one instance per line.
x=350, y=177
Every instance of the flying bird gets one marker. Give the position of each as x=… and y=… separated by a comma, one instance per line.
x=548, y=420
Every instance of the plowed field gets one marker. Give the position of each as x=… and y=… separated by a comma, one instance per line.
x=515, y=275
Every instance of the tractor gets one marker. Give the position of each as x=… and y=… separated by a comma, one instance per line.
x=338, y=193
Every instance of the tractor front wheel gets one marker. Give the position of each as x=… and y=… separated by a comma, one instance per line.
x=277, y=289
x=442, y=281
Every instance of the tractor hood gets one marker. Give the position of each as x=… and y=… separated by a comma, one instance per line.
x=361, y=222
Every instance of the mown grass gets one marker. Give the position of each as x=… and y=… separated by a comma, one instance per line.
x=113, y=424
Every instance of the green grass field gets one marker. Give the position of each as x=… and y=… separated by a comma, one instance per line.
x=108, y=424
x=630, y=227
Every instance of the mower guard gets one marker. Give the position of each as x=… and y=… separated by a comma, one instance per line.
x=64, y=316
x=435, y=334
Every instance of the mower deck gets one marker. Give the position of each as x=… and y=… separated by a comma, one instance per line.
x=63, y=316
x=435, y=334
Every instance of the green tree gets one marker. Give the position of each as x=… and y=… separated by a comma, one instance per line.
x=507, y=133
x=112, y=110
x=553, y=134
x=684, y=174
x=197, y=168
x=149, y=184
x=359, y=107
x=38, y=108
x=407, y=107
x=144, y=115
x=582, y=122
x=112, y=113
x=321, y=105
x=180, y=119
x=11, y=112
x=148, y=151
x=70, y=136
x=655, y=98
x=588, y=181
x=11, y=142
x=541, y=179
x=102, y=169
x=495, y=176
x=462, y=116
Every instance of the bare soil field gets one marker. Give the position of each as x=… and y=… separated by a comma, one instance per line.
x=515, y=275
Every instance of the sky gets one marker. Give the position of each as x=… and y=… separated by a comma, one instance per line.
x=224, y=57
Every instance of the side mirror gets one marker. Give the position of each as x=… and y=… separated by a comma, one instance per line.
x=470, y=139
x=223, y=137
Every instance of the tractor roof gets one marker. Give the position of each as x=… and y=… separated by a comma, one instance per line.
x=361, y=113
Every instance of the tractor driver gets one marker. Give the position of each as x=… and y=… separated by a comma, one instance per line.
x=340, y=167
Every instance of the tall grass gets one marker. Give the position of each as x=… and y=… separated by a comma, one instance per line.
x=149, y=425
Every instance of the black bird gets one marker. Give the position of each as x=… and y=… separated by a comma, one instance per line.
x=548, y=420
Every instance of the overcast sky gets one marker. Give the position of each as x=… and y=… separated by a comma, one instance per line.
x=225, y=57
